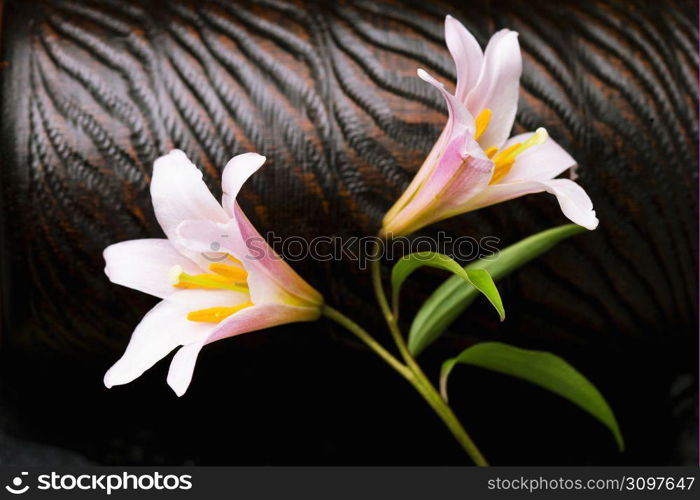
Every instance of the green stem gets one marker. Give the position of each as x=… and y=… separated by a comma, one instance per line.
x=376, y=271
x=423, y=384
x=426, y=390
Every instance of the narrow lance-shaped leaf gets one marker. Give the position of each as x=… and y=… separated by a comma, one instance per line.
x=454, y=295
x=478, y=279
x=540, y=368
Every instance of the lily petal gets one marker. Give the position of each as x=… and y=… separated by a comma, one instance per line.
x=471, y=176
x=259, y=317
x=270, y=278
x=573, y=200
x=459, y=122
x=236, y=172
x=459, y=119
x=498, y=87
x=195, y=235
x=164, y=328
x=539, y=163
x=182, y=367
x=466, y=53
x=256, y=317
x=179, y=194
x=272, y=264
x=144, y=264
x=463, y=171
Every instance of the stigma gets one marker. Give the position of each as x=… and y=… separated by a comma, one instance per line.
x=221, y=277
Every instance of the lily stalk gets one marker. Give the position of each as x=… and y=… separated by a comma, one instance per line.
x=410, y=371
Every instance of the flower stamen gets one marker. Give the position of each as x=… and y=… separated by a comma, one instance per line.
x=234, y=260
x=181, y=279
x=215, y=314
x=482, y=122
x=231, y=272
x=504, y=160
x=537, y=138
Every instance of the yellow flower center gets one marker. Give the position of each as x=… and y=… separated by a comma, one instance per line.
x=503, y=160
x=222, y=277
x=215, y=314
x=482, y=121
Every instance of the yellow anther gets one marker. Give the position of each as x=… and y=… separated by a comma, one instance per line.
x=180, y=279
x=215, y=314
x=491, y=151
x=504, y=160
x=482, y=121
x=223, y=277
x=502, y=163
x=234, y=260
x=501, y=169
x=229, y=272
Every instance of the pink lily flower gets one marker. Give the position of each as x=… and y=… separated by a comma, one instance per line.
x=473, y=164
x=215, y=273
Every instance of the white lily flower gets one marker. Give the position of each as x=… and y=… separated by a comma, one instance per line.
x=215, y=273
x=473, y=164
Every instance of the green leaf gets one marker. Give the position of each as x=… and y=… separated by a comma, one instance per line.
x=454, y=295
x=540, y=368
x=478, y=279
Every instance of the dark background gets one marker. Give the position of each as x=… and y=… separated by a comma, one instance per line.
x=93, y=91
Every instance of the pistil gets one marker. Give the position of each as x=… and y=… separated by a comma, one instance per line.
x=235, y=279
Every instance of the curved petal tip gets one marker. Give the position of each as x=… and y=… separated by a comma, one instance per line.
x=427, y=77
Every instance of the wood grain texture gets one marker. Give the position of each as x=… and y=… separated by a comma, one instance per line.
x=95, y=90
